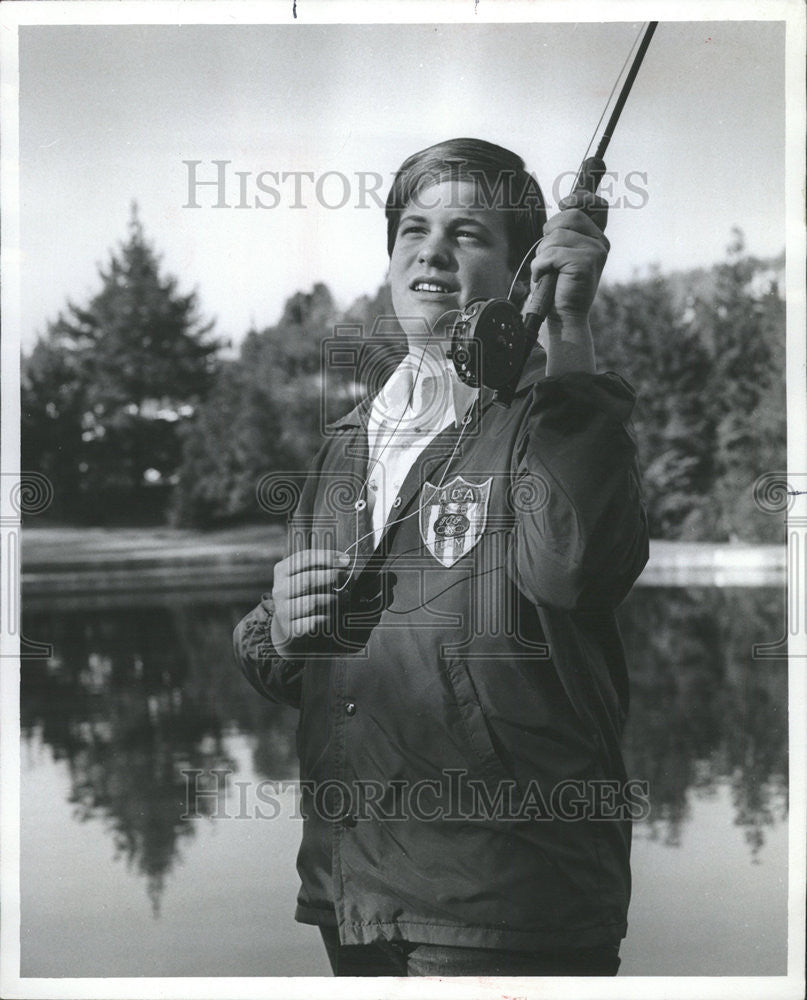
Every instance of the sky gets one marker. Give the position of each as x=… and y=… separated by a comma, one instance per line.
x=110, y=114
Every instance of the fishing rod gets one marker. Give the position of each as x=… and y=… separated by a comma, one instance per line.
x=491, y=340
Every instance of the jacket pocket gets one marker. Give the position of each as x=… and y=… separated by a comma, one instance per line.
x=475, y=727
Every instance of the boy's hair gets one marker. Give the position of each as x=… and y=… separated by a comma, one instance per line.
x=501, y=182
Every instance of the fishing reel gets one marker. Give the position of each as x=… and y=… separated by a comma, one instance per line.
x=490, y=345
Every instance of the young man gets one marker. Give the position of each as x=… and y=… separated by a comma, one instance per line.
x=448, y=631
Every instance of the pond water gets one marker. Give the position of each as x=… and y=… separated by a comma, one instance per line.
x=118, y=880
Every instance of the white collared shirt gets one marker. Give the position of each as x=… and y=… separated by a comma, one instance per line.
x=399, y=431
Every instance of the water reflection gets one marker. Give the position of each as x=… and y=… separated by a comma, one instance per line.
x=131, y=699
x=132, y=696
x=702, y=709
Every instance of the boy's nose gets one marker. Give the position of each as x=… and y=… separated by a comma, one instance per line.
x=433, y=253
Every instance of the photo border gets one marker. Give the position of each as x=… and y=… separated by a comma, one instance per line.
x=15, y=15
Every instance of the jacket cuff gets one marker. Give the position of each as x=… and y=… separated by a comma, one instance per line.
x=266, y=670
x=263, y=615
x=258, y=629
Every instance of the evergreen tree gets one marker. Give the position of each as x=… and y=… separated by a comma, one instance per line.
x=705, y=352
x=233, y=440
x=106, y=389
x=263, y=416
x=380, y=340
x=286, y=361
x=744, y=323
x=641, y=335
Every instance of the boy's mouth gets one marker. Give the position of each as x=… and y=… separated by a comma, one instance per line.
x=433, y=286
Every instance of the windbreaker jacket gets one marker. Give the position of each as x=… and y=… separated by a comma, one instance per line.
x=460, y=746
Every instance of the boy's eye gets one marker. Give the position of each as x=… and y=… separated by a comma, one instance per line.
x=470, y=234
x=411, y=228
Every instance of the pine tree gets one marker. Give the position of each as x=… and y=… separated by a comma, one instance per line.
x=233, y=440
x=745, y=327
x=264, y=416
x=641, y=335
x=107, y=388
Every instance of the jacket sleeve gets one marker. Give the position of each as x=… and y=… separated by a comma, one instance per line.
x=580, y=538
x=277, y=679
x=272, y=676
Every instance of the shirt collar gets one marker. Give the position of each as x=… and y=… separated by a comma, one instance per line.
x=424, y=388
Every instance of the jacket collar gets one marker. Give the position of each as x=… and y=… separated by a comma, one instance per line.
x=357, y=417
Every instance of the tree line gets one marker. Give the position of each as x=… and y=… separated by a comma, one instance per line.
x=130, y=409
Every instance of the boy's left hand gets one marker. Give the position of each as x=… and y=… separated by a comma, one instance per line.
x=575, y=248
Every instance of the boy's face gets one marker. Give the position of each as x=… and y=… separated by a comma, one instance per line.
x=448, y=250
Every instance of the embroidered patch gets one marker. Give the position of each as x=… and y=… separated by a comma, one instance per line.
x=452, y=517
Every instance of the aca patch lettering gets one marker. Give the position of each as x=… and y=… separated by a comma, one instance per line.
x=452, y=517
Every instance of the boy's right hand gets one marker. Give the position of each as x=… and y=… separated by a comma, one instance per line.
x=304, y=598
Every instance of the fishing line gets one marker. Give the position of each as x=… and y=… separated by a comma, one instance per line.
x=607, y=104
x=537, y=243
x=445, y=590
x=524, y=259
x=361, y=503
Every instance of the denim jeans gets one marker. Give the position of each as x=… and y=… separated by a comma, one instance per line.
x=409, y=958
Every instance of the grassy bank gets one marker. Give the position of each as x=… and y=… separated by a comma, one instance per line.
x=64, y=561
x=63, y=546
x=140, y=558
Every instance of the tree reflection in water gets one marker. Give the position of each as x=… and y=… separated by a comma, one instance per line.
x=131, y=698
x=703, y=711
